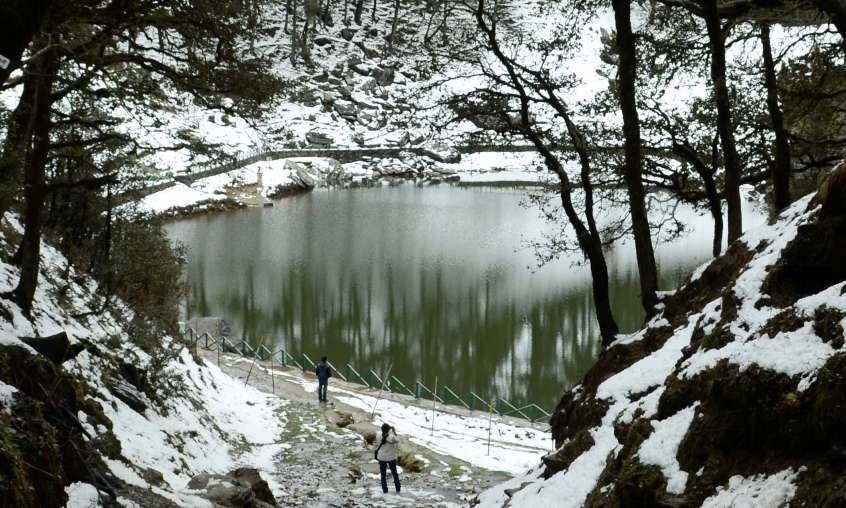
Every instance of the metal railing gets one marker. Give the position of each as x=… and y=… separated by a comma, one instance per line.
x=390, y=383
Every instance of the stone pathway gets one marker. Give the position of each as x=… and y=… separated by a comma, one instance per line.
x=332, y=466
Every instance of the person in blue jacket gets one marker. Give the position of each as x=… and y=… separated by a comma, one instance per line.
x=324, y=372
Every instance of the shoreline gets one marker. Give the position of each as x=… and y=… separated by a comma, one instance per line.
x=259, y=183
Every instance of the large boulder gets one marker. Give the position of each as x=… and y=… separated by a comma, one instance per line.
x=346, y=109
x=241, y=488
x=257, y=484
x=226, y=492
x=361, y=68
x=322, y=40
x=398, y=138
x=127, y=393
x=384, y=76
x=367, y=85
x=315, y=137
x=442, y=153
x=304, y=177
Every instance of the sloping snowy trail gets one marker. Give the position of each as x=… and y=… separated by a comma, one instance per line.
x=322, y=458
x=514, y=446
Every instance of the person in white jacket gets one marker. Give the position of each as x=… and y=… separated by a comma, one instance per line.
x=386, y=454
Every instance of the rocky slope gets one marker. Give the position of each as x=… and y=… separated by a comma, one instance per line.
x=734, y=395
x=100, y=420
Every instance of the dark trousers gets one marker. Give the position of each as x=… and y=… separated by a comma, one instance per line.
x=383, y=466
x=321, y=390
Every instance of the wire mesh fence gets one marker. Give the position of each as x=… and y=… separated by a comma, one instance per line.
x=371, y=379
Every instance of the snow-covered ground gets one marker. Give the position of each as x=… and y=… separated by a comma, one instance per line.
x=480, y=168
x=513, y=447
x=637, y=389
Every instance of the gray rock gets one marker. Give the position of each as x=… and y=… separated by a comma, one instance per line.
x=128, y=394
x=398, y=138
x=400, y=79
x=230, y=493
x=384, y=76
x=322, y=40
x=353, y=60
x=305, y=179
x=348, y=33
x=260, y=488
x=442, y=153
x=323, y=77
x=363, y=69
x=368, y=84
x=199, y=482
x=315, y=137
x=153, y=477
x=363, y=101
x=346, y=109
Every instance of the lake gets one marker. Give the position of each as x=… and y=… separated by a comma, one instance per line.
x=436, y=281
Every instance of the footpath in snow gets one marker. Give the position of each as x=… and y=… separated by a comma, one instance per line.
x=324, y=458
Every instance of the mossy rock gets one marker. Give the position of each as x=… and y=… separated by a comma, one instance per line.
x=827, y=326
x=370, y=437
x=784, y=321
x=561, y=459
x=343, y=419
x=640, y=485
x=410, y=463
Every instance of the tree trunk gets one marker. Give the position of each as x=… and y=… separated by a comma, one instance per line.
x=591, y=246
x=373, y=13
x=294, y=43
x=305, y=48
x=587, y=236
x=724, y=121
x=781, y=161
x=15, y=147
x=30, y=251
x=687, y=153
x=287, y=14
x=359, y=7
x=21, y=20
x=633, y=170
x=393, y=26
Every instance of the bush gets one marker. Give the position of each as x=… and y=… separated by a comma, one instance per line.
x=145, y=271
x=410, y=463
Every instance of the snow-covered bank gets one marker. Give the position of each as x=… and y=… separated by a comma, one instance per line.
x=194, y=419
x=256, y=182
x=727, y=397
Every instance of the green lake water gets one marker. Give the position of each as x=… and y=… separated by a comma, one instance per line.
x=435, y=281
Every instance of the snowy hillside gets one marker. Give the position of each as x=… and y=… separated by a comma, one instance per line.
x=135, y=421
x=732, y=396
x=105, y=421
